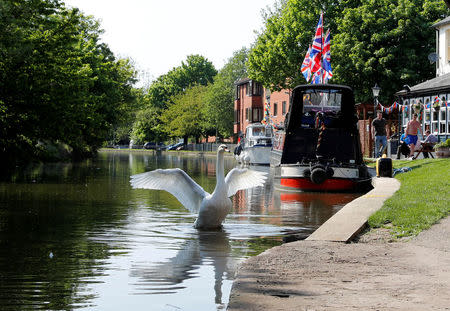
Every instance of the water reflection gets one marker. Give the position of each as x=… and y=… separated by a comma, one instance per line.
x=76, y=236
x=211, y=248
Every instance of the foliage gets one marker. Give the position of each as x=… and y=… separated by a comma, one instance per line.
x=409, y=211
x=384, y=42
x=444, y=144
x=58, y=83
x=195, y=70
x=220, y=96
x=184, y=116
x=147, y=126
x=279, y=50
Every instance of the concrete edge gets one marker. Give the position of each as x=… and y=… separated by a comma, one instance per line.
x=352, y=218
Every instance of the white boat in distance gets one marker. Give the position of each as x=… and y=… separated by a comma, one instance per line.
x=255, y=148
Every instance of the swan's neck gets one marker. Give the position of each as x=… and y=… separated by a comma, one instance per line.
x=220, y=178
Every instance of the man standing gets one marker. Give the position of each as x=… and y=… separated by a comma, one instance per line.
x=412, y=129
x=379, y=131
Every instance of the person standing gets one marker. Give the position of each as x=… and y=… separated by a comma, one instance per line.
x=379, y=131
x=412, y=129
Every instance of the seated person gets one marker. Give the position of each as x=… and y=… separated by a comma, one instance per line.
x=403, y=148
x=428, y=143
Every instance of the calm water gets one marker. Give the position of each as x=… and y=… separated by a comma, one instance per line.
x=76, y=236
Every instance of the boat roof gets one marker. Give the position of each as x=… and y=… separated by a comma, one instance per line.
x=323, y=87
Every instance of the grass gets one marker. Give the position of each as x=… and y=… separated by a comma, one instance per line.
x=423, y=198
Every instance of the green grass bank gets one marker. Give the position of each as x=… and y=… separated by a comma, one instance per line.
x=423, y=198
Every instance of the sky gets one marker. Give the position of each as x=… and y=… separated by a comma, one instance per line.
x=158, y=35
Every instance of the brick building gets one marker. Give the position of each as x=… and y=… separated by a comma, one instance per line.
x=249, y=105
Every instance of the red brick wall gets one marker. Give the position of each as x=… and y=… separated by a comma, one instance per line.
x=277, y=99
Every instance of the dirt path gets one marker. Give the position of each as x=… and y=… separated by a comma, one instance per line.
x=372, y=274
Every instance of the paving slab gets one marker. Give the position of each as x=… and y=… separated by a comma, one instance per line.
x=352, y=218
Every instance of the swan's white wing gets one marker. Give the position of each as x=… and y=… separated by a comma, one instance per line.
x=176, y=182
x=243, y=178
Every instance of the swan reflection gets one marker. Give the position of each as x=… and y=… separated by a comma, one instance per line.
x=205, y=248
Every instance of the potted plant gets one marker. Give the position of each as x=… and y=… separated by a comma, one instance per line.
x=443, y=149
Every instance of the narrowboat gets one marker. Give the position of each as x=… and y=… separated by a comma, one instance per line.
x=319, y=148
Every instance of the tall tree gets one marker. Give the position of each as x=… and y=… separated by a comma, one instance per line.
x=195, y=70
x=220, y=96
x=385, y=42
x=184, y=116
x=278, y=52
x=58, y=83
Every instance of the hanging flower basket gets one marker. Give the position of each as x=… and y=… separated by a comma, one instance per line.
x=417, y=107
x=436, y=106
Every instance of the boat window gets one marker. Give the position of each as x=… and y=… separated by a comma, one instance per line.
x=258, y=131
x=324, y=100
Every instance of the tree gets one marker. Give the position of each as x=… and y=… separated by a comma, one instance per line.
x=147, y=126
x=195, y=70
x=279, y=50
x=184, y=116
x=386, y=42
x=220, y=96
x=58, y=83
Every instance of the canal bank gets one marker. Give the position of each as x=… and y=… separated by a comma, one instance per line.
x=370, y=273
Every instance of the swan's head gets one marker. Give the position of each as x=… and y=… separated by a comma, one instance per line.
x=222, y=148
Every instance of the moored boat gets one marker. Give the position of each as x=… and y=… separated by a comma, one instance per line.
x=256, y=145
x=319, y=149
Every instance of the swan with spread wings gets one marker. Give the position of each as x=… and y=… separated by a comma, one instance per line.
x=212, y=208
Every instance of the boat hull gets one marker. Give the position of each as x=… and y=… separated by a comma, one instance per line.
x=344, y=179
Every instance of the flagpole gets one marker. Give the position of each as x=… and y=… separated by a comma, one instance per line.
x=321, y=59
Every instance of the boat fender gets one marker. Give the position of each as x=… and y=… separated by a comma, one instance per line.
x=318, y=174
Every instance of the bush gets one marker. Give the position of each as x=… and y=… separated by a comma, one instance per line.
x=444, y=144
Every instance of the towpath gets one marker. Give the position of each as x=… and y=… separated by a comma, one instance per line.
x=373, y=273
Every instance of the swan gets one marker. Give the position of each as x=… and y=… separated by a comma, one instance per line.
x=212, y=208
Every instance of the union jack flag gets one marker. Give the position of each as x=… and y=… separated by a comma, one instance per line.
x=317, y=76
x=316, y=49
x=326, y=58
x=306, y=66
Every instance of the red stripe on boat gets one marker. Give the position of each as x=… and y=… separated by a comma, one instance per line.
x=328, y=184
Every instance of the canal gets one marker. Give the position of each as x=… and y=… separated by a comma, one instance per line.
x=77, y=236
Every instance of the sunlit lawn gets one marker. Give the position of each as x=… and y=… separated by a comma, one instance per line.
x=423, y=198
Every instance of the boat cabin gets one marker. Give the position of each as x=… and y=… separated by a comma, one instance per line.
x=257, y=134
x=322, y=126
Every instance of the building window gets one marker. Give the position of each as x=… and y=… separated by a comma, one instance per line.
x=238, y=93
x=257, y=114
x=248, y=88
x=275, y=109
x=257, y=89
x=283, y=108
x=237, y=116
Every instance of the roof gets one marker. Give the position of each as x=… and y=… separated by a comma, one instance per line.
x=242, y=81
x=438, y=84
x=443, y=22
